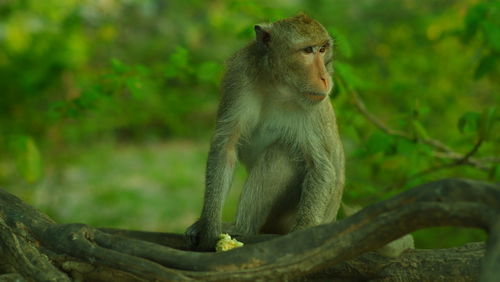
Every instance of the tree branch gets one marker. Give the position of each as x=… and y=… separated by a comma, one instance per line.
x=471, y=153
x=24, y=258
x=443, y=151
x=83, y=251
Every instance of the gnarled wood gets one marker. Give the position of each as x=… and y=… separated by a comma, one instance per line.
x=64, y=251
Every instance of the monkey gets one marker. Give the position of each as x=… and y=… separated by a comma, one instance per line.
x=275, y=117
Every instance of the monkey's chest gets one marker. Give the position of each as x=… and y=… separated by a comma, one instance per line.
x=277, y=135
x=257, y=142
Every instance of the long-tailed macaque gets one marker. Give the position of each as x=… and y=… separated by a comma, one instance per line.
x=276, y=118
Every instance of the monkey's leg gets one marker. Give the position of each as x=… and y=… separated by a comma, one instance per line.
x=271, y=191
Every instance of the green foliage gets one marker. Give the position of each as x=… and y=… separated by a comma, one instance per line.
x=483, y=21
x=28, y=158
x=469, y=122
x=341, y=44
x=482, y=124
x=487, y=123
x=177, y=63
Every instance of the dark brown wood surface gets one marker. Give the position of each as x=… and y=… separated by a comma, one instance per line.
x=34, y=247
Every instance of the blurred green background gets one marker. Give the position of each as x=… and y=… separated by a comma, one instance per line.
x=107, y=106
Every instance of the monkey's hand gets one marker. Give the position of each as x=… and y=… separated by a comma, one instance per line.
x=203, y=235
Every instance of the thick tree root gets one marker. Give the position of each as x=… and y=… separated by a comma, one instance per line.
x=36, y=248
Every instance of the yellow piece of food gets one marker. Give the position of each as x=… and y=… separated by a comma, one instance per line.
x=226, y=243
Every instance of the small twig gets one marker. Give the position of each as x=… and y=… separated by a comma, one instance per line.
x=474, y=149
x=490, y=159
x=459, y=160
x=479, y=163
x=360, y=105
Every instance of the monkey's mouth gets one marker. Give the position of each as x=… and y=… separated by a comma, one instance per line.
x=315, y=96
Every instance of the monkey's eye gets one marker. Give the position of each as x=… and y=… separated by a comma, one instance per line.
x=322, y=49
x=308, y=50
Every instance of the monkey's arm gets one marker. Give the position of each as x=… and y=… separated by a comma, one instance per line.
x=219, y=172
x=232, y=117
x=318, y=190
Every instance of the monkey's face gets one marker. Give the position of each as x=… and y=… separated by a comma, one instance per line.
x=301, y=53
x=309, y=65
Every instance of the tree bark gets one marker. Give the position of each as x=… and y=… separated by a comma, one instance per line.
x=35, y=247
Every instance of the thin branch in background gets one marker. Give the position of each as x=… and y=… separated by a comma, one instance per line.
x=360, y=105
x=458, y=162
x=491, y=159
x=479, y=163
x=474, y=150
x=442, y=150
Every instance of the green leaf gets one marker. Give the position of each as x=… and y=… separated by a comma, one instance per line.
x=346, y=72
x=177, y=63
x=492, y=33
x=494, y=172
x=55, y=111
x=88, y=99
x=419, y=130
x=29, y=160
x=475, y=15
x=486, y=123
x=405, y=147
x=170, y=71
x=486, y=65
x=379, y=142
x=245, y=34
x=469, y=122
x=341, y=42
x=179, y=57
x=118, y=66
x=208, y=72
x=136, y=87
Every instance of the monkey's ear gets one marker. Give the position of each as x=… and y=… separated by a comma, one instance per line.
x=262, y=34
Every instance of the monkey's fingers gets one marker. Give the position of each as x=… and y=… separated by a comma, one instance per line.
x=193, y=235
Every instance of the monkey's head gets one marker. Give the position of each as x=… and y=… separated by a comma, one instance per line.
x=299, y=54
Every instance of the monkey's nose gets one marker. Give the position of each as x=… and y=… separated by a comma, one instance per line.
x=325, y=82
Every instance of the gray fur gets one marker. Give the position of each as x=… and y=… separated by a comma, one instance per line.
x=271, y=117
